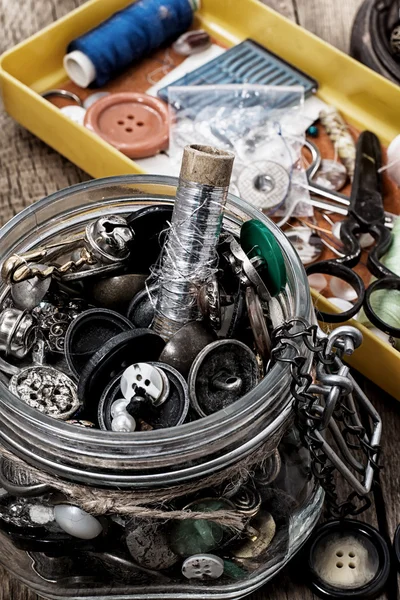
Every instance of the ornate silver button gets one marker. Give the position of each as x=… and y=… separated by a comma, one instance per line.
x=46, y=389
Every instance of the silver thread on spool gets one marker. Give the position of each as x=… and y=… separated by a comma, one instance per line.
x=189, y=257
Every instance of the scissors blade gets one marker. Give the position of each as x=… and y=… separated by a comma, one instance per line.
x=366, y=201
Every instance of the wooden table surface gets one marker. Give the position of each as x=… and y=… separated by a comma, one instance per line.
x=30, y=170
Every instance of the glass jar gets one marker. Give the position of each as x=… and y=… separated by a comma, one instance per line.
x=151, y=460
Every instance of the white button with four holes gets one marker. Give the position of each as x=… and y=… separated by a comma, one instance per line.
x=203, y=566
x=345, y=561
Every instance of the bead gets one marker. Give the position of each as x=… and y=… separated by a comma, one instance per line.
x=123, y=423
x=119, y=407
x=312, y=131
x=203, y=566
x=77, y=522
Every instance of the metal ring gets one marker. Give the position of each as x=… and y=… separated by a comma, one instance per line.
x=62, y=94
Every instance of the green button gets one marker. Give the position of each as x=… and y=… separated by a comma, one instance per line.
x=258, y=241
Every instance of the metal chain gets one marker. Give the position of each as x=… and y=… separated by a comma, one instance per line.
x=323, y=403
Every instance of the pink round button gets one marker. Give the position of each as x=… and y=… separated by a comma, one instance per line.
x=135, y=124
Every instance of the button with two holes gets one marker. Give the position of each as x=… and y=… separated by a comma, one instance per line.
x=348, y=559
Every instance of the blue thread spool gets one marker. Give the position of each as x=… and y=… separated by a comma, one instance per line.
x=126, y=37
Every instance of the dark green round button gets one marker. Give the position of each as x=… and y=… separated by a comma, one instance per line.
x=258, y=241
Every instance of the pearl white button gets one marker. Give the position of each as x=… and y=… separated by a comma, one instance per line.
x=119, y=407
x=203, y=566
x=345, y=561
x=77, y=522
x=123, y=423
x=75, y=113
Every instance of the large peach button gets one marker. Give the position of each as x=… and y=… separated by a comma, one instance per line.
x=135, y=124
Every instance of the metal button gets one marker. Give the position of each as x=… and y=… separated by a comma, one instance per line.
x=148, y=545
x=265, y=529
x=141, y=309
x=183, y=347
x=203, y=566
x=17, y=332
x=47, y=390
x=257, y=323
x=28, y=294
x=221, y=374
x=109, y=239
x=116, y=293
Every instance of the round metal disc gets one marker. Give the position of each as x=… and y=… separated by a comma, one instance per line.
x=47, y=390
x=221, y=374
x=264, y=184
x=141, y=309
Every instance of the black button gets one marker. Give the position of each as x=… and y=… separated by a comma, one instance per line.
x=88, y=332
x=348, y=559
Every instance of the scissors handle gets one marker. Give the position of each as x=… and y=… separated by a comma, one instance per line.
x=387, y=283
x=332, y=267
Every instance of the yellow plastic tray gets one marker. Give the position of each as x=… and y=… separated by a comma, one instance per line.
x=366, y=99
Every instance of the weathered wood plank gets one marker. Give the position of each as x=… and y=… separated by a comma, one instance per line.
x=329, y=20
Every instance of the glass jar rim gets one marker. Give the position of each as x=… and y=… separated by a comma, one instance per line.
x=241, y=409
